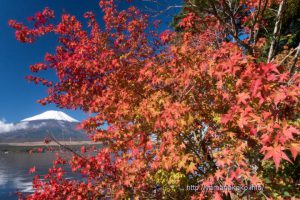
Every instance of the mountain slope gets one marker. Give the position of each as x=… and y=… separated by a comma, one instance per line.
x=51, y=123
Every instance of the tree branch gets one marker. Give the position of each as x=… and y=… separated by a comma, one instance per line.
x=276, y=30
x=294, y=61
x=66, y=147
x=255, y=20
x=233, y=30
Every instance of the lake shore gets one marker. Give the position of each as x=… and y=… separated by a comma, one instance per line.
x=30, y=144
x=27, y=146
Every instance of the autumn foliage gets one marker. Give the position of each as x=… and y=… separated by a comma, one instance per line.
x=196, y=107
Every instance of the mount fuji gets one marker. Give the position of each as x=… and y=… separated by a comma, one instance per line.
x=51, y=115
x=51, y=123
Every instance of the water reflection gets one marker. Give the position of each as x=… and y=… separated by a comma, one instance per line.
x=14, y=172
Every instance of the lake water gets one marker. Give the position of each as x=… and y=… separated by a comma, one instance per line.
x=14, y=171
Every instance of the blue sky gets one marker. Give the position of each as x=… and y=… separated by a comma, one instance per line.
x=18, y=97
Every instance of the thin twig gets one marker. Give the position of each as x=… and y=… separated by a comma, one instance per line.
x=255, y=20
x=294, y=61
x=165, y=10
x=66, y=147
x=288, y=55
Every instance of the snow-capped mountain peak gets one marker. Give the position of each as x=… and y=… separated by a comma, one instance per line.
x=51, y=115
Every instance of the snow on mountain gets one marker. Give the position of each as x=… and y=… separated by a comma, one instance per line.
x=51, y=115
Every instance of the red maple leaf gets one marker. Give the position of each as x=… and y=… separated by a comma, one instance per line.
x=228, y=181
x=242, y=97
x=279, y=96
x=255, y=180
x=219, y=174
x=277, y=154
x=32, y=170
x=226, y=118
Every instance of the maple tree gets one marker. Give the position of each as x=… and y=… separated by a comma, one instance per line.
x=195, y=107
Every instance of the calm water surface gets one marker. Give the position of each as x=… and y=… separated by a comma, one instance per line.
x=14, y=172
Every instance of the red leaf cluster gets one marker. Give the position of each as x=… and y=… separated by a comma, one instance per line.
x=197, y=105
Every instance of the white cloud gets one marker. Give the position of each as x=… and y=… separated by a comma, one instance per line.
x=36, y=126
x=8, y=127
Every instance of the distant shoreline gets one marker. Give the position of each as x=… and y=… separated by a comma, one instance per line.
x=31, y=144
x=28, y=146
